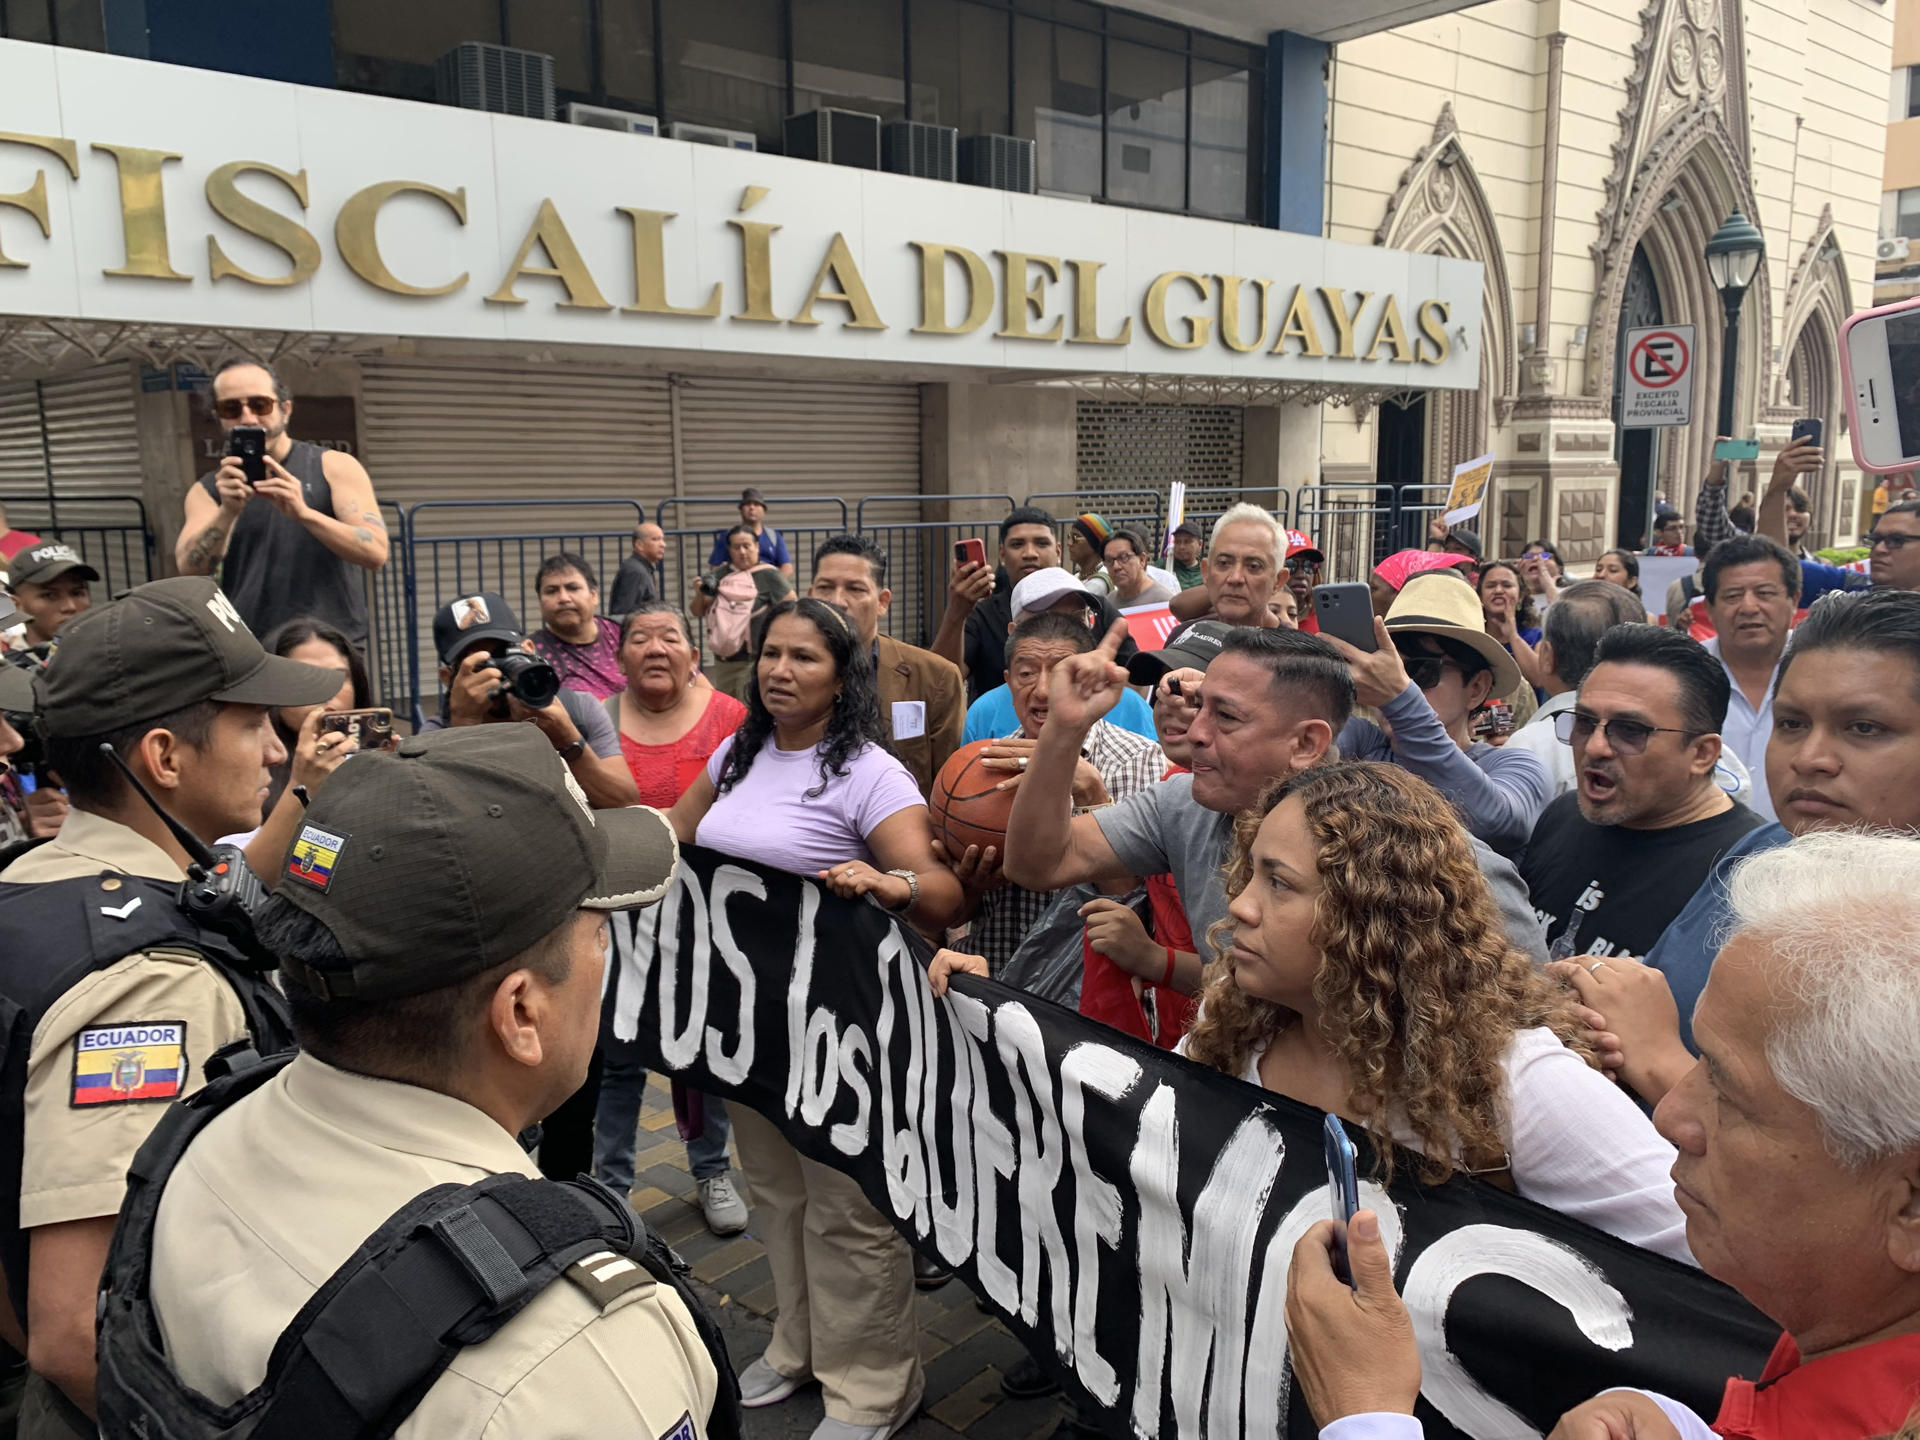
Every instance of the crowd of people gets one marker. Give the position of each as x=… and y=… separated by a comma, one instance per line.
x=1618, y=916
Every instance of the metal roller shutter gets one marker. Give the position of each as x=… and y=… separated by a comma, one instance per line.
x=78, y=478
x=1130, y=453
x=833, y=441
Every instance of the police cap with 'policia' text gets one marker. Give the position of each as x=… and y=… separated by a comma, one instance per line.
x=457, y=851
x=158, y=648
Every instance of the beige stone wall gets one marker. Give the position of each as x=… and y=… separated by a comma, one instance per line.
x=1800, y=89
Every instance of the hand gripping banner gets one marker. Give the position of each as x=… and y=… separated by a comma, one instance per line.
x=1130, y=1215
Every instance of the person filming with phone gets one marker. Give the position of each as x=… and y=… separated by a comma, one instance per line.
x=288, y=525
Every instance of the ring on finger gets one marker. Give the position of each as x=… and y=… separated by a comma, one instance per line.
x=1596, y=967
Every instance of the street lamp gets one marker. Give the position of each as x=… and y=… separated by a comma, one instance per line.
x=1733, y=259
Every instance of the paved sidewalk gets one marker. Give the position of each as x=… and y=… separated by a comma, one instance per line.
x=964, y=1349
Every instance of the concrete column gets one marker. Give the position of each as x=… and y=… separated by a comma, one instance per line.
x=167, y=467
x=1280, y=451
x=996, y=439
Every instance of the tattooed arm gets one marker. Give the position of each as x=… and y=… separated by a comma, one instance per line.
x=208, y=525
x=356, y=533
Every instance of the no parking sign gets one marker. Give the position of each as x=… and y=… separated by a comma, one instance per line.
x=1658, y=384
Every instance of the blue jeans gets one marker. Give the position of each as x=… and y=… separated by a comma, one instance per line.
x=616, y=1121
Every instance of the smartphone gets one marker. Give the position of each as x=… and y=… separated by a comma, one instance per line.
x=1737, y=449
x=970, y=552
x=249, y=442
x=373, y=728
x=1880, y=362
x=1494, y=720
x=1807, y=429
x=1346, y=613
x=1343, y=1191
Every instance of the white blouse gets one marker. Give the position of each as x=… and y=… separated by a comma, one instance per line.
x=1577, y=1145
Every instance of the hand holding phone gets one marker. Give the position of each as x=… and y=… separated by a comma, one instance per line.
x=1346, y=613
x=1343, y=1190
x=1808, y=429
x=972, y=551
x=373, y=727
x=249, y=444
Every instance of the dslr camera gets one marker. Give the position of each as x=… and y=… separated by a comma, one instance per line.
x=527, y=678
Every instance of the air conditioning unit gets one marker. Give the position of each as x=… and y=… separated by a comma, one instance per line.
x=1891, y=252
x=1001, y=162
x=599, y=117
x=712, y=135
x=910, y=147
x=835, y=137
x=476, y=76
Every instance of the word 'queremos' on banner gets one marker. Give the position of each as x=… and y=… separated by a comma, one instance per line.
x=1130, y=1215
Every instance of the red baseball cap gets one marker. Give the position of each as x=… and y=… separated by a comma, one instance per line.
x=1301, y=543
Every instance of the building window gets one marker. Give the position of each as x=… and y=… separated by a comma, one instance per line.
x=849, y=55
x=626, y=55
x=1146, y=126
x=559, y=28
x=960, y=66
x=726, y=65
x=390, y=49
x=1906, y=214
x=1056, y=103
x=1913, y=92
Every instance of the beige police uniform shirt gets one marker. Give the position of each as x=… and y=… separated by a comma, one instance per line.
x=241, y=1245
x=109, y=1055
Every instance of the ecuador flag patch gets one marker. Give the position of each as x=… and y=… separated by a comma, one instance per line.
x=315, y=852
x=114, y=1064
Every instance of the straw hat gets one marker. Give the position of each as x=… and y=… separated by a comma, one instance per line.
x=1441, y=606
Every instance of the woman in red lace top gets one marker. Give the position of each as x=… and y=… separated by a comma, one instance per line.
x=670, y=720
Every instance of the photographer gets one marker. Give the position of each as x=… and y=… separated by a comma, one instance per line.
x=293, y=542
x=490, y=673
x=124, y=996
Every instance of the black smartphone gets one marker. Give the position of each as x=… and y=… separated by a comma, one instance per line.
x=1346, y=613
x=1343, y=1190
x=249, y=442
x=1808, y=429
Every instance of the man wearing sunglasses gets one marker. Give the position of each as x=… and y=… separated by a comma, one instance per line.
x=294, y=544
x=1611, y=864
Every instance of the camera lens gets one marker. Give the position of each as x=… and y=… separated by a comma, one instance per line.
x=529, y=679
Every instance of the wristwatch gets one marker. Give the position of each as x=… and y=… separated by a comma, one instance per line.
x=572, y=750
x=913, y=891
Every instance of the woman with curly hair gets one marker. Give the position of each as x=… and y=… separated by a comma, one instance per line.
x=807, y=784
x=1363, y=969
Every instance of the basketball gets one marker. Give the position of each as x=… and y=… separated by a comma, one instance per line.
x=965, y=808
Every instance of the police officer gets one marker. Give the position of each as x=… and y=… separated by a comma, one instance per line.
x=441, y=923
x=111, y=998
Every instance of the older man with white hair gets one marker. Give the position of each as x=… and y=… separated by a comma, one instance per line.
x=1245, y=560
x=1799, y=1173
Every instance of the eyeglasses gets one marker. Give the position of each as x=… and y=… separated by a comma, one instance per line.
x=1629, y=737
x=260, y=405
x=1895, y=543
x=1426, y=670
x=1302, y=564
x=1125, y=557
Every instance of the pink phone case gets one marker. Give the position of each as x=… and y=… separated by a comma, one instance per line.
x=1846, y=380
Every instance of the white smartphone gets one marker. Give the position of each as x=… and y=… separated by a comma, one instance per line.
x=1880, y=354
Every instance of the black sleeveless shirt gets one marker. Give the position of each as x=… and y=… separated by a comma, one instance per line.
x=274, y=570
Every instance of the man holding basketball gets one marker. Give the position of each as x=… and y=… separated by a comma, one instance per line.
x=1111, y=765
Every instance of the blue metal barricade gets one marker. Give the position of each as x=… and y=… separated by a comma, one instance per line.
x=917, y=534
x=389, y=603
x=695, y=525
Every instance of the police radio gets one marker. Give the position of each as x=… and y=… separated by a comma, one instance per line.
x=220, y=892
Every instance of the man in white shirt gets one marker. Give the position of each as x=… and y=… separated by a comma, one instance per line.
x=1752, y=587
x=1798, y=1170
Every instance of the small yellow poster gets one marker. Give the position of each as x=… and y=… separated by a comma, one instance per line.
x=1469, y=490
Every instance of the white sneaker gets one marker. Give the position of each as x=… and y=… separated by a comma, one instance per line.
x=726, y=1212
x=761, y=1384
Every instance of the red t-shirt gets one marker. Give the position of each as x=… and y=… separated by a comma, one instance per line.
x=1846, y=1396
x=663, y=772
x=14, y=541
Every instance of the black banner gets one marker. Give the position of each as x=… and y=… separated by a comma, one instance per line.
x=1131, y=1216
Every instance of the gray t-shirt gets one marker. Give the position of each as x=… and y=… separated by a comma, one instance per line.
x=587, y=714
x=1162, y=830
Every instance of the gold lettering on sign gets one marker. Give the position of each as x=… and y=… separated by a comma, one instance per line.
x=1434, y=315
x=1300, y=325
x=756, y=261
x=33, y=199
x=549, y=232
x=1198, y=326
x=650, y=268
x=1230, y=313
x=245, y=213
x=1393, y=330
x=356, y=234
x=143, y=212
x=840, y=266
x=1027, y=302
x=1343, y=321
x=933, y=289
x=1086, y=307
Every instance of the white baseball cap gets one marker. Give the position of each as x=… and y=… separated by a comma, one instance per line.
x=1044, y=589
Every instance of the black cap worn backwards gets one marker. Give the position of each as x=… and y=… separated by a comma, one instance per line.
x=1194, y=648
x=158, y=648
x=455, y=852
x=458, y=627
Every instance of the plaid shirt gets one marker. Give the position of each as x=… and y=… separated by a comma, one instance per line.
x=1127, y=763
x=1711, y=522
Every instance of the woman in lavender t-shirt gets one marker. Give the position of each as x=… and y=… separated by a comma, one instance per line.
x=808, y=785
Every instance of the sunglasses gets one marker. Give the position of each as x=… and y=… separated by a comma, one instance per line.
x=1628, y=737
x=1895, y=543
x=260, y=405
x=1425, y=670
